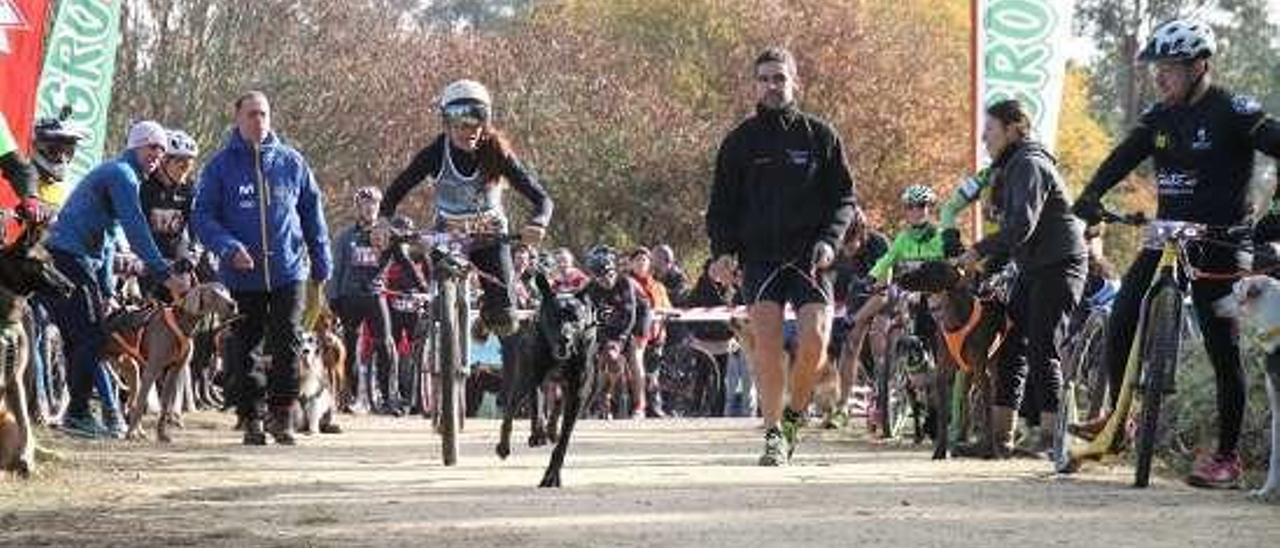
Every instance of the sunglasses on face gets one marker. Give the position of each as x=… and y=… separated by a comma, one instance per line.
x=910, y=207
x=469, y=115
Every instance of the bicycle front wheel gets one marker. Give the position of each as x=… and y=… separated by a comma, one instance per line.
x=884, y=383
x=449, y=345
x=1160, y=342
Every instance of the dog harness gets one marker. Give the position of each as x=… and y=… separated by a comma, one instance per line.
x=955, y=338
x=130, y=342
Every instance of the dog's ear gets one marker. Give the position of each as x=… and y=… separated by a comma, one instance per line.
x=544, y=286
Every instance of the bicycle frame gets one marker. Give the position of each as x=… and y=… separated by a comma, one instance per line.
x=1171, y=269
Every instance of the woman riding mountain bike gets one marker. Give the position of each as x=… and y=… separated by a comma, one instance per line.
x=468, y=164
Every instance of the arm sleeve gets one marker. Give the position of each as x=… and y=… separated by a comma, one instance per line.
x=964, y=195
x=1132, y=151
x=341, y=246
x=207, y=212
x=106, y=271
x=19, y=173
x=1025, y=191
x=1265, y=134
x=884, y=265
x=314, y=228
x=425, y=164
x=725, y=207
x=128, y=209
x=838, y=184
x=529, y=187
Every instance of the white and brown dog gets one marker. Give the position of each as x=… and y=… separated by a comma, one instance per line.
x=315, y=394
x=1255, y=302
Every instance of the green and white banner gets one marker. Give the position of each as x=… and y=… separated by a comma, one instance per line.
x=1021, y=50
x=79, y=66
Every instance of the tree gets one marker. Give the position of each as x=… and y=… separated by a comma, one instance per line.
x=617, y=105
x=1122, y=88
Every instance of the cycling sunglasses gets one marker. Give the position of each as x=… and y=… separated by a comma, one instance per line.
x=466, y=113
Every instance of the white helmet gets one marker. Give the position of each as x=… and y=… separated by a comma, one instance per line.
x=1180, y=40
x=465, y=90
x=181, y=145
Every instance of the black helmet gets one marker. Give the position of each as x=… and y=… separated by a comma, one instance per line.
x=601, y=260
x=56, y=129
x=55, y=144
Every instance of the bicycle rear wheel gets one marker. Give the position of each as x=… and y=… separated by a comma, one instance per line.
x=1084, y=384
x=448, y=342
x=1161, y=339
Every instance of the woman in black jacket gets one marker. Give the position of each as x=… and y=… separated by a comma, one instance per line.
x=1038, y=231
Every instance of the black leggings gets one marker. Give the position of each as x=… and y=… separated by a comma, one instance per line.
x=494, y=263
x=1220, y=340
x=1040, y=308
x=355, y=311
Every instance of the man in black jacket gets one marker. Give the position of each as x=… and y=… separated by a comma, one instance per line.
x=1038, y=231
x=1201, y=139
x=782, y=199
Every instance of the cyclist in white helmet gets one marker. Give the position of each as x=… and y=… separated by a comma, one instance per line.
x=167, y=194
x=468, y=165
x=1201, y=139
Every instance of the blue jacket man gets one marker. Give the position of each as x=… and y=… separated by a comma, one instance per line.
x=81, y=244
x=257, y=204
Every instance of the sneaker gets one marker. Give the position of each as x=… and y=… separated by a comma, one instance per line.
x=281, y=427
x=114, y=425
x=253, y=434
x=1221, y=471
x=836, y=419
x=776, y=449
x=791, y=423
x=83, y=426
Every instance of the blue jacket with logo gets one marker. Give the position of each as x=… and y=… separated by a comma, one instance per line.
x=103, y=202
x=246, y=197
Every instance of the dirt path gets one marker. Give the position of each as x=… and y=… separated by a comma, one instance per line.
x=662, y=483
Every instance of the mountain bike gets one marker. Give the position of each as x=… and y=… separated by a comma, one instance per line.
x=1153, y=357
x=446, y=348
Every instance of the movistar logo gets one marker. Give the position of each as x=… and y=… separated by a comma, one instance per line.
x=10, y=19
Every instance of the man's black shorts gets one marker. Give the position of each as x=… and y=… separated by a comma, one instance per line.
x=784, y=283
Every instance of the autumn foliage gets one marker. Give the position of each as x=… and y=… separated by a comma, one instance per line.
x=618, y=105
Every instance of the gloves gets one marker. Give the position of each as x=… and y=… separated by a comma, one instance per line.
x=1089, y=208
x=31, y=210
x=951, y=244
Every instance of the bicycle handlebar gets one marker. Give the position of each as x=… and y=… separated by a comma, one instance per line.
x=1136, y=218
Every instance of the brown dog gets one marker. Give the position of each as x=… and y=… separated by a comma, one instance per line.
x=161, y=348
x=611, y=372
x=333, y=353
